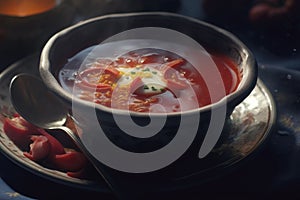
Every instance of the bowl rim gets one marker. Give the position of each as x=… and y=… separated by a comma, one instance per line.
x=246, y=85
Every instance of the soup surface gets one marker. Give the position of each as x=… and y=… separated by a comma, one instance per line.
x=148, y=80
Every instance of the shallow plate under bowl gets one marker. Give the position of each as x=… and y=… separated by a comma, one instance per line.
x=251, y=121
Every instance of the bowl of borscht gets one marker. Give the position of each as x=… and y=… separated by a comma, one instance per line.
x=148, y=84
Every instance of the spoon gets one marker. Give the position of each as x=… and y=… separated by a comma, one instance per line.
x=36, y=104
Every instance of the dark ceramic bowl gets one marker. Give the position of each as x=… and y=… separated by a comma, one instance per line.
x=181, y=130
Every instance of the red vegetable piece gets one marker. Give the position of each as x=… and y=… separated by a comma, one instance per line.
x=100, y=87
x=43, y=146
x=19, y=131
x=153, y=58
x=91, y=78
x=56, y=146
x=94, y=73
x=128, y=62
x=174, y=80
x=81, y=174
x=39, y=149
x=72, y=161
x=174, y=63
x=172, y=76
x=113, y=71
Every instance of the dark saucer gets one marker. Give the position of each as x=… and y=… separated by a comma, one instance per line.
x=251, y=123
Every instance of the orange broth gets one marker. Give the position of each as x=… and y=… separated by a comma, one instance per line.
x=147, y=80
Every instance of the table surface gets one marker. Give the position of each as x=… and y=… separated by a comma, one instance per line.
x=273, y=172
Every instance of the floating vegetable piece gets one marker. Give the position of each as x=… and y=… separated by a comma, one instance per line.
x=175, y=80
x=98, y=78
x=174, y=63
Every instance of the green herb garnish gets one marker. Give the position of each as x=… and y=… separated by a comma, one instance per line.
x=146, y=87
x=153, y=88
x=146, y=70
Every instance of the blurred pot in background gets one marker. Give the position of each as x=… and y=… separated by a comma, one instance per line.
x=275, y=24
x=22, y=8
x=281, y=15
x=26, y=25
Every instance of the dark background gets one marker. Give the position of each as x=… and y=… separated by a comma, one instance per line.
x=273, y=172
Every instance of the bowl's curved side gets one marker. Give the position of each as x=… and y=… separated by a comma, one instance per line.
x=76, y=38
x=72, y=40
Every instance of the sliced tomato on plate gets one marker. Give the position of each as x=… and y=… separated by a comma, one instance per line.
x=72, y=161
x=19, y=131
x=42, y=146
x=25, y=135
x=88, y=172
x=56, y=147
x=39, y=148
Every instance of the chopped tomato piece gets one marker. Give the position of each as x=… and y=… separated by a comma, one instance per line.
x=127, y=61
x=56, y=147
x=88, y=172
x=154, y=58
x=94, y=87
x=174, y=79
x=19, y=131
x=113, y=71
x=93, y=75
x=72, y=161
x=173, y=63
x=78, y=174
x=43, y=146
x=98, y=78
x=39, y=149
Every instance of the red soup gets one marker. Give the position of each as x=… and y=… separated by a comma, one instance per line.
x=148, y=80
